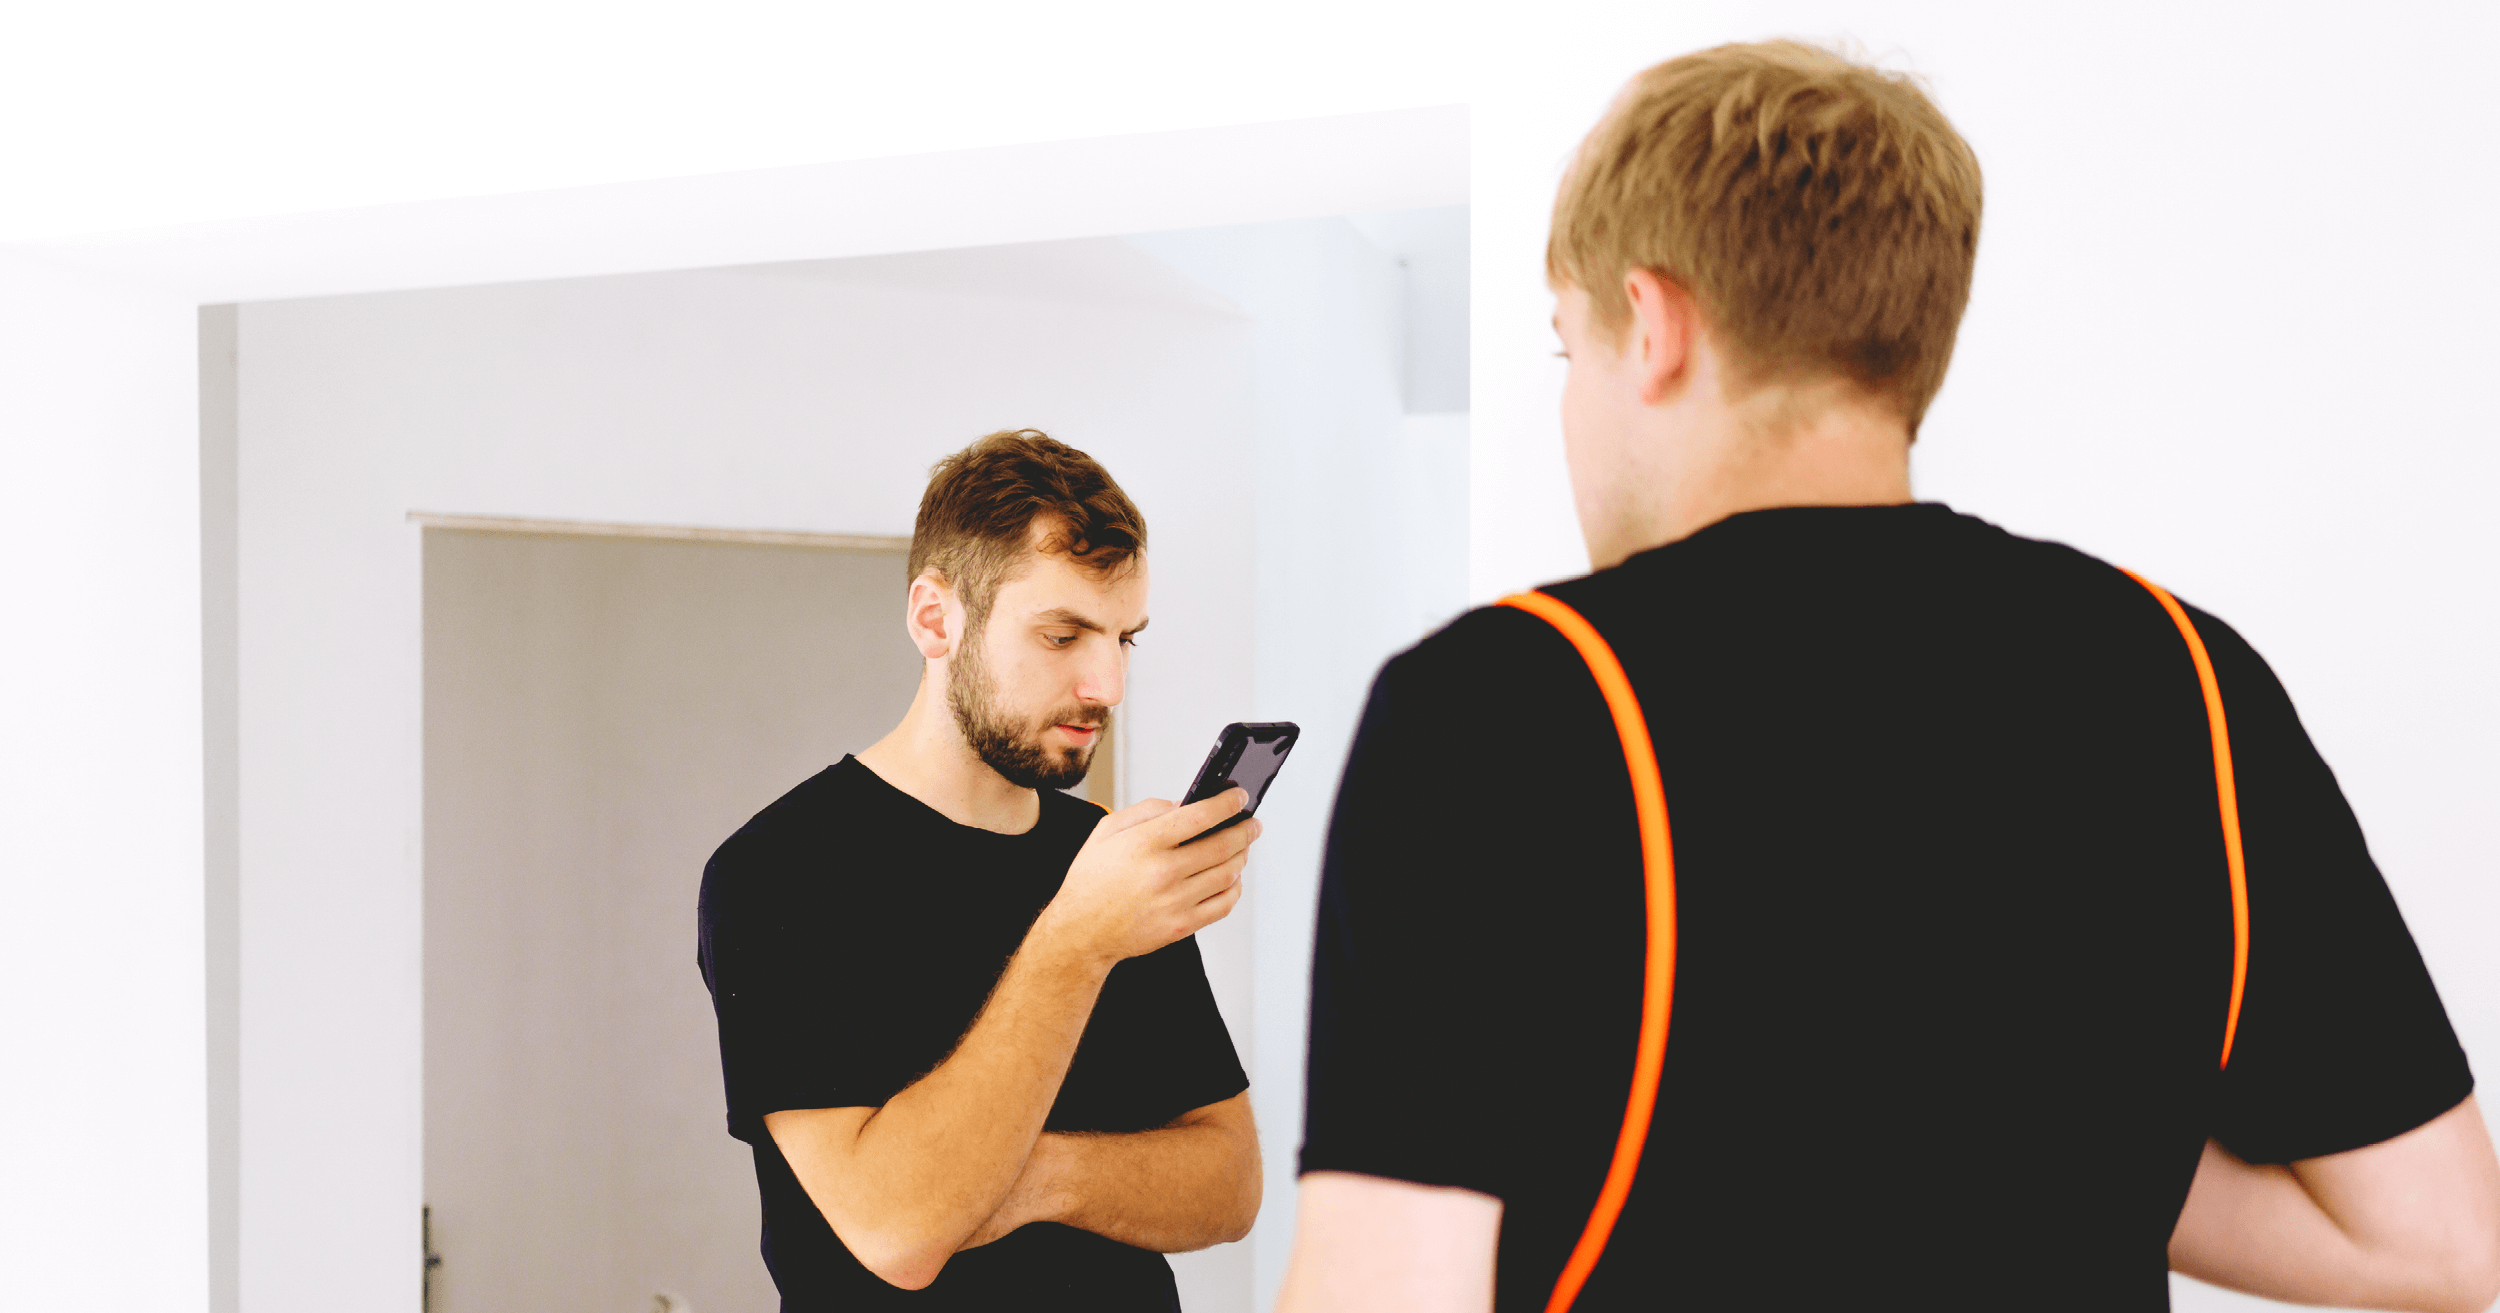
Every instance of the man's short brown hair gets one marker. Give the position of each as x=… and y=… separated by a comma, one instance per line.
x=1823, y=214
x=976, y=519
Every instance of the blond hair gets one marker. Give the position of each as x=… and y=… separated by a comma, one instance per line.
x=1823, y=215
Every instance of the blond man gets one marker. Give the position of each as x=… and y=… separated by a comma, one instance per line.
x=1958, y=1016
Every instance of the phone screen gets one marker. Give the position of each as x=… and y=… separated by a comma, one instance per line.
x=1247, y=757
x=1257, y=768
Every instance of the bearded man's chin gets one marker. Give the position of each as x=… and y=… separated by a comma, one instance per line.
x=1067, y=769
x=1029, y=765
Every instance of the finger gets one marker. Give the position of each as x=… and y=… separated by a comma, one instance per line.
x=1134, y=815
x=1191, y=860
x=1197, y=818
x=1215, y=909
x=1211, y=811
x=1231, y=843
x=1217, y=878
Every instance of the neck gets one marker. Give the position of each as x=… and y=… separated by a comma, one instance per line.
x=1757, y=458
x=926, y=757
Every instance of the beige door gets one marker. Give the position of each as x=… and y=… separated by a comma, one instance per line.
x=599, y=714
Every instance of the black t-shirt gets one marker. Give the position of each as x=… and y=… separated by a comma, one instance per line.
x=1955, y=931
x=849, y=935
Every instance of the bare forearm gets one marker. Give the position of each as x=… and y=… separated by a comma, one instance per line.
x=1171, y=1190
x=2409, y=1223
x=1186, y=1186
x=1365, y=1242
x=905, y=1186
x=2253, y=1228
x=955, y=1140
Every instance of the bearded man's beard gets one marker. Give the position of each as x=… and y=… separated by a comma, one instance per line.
x=1004, y=742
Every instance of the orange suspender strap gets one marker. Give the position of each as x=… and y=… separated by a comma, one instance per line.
x=2227, y=787
x=1649, y=801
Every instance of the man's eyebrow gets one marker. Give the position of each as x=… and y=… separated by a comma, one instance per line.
x=1060, y=615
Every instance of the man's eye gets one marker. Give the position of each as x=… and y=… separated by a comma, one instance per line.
x=1128, y=640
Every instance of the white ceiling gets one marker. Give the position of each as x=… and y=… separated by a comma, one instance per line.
x=119, y=114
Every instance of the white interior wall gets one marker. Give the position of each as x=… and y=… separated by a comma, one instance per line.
x=1340, y=584
x=103, y=1140
x=806, y=397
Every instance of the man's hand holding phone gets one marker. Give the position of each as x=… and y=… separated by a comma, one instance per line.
x=1139, y=883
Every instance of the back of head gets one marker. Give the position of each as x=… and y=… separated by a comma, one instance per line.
x=1823, y=214
x=977, y=517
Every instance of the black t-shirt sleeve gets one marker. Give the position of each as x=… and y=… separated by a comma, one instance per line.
x=1157, y=1043
x=1204, y=1067
x=1414, y=1035
x=770, y=965
x=2342, y=1040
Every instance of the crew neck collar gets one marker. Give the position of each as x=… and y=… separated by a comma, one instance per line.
x=851, y=761
x=1793, y=518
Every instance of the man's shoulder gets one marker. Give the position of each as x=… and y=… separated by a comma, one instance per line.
x=2099, y=594
x=820, y=800
x=1472, y=684
x=1500, y=650
x=808, y=826
x=1489, y=642
x=1062, y=811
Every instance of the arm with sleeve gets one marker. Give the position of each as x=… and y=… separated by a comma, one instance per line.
x=908, y=1132
x=2349, y=1163
x=1409, y=1120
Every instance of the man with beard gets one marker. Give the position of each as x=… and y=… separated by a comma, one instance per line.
x=964, y=1025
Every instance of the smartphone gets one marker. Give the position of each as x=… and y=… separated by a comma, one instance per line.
x=1246, y=757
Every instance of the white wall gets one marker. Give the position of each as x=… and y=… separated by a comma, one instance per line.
x=1354, y=497
x=103, y=1128
x=808, y=397
x=174, y=115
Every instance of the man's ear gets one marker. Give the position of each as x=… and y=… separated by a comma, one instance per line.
x=932, y=616
x=1664, y=325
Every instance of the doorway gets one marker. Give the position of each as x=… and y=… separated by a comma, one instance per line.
x=600, y=713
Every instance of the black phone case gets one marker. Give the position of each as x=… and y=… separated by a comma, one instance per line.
x=1215, y=775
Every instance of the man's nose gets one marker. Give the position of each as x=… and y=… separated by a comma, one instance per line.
x=1106, y=677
